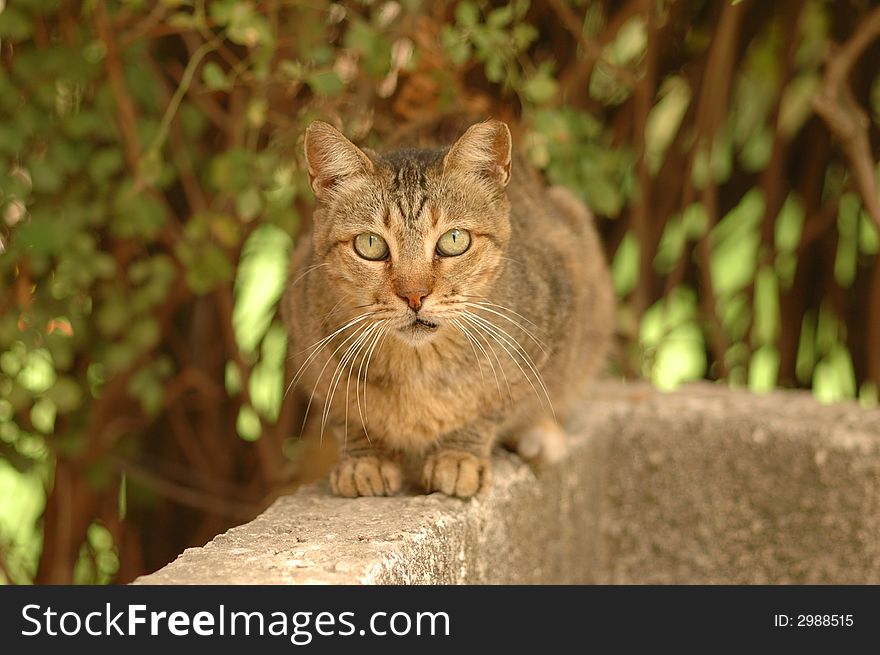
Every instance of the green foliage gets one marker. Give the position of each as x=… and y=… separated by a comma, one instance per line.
x=151, y=192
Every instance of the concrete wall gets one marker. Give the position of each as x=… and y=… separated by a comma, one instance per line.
x=705, y=485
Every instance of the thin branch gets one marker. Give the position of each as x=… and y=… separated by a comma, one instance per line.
x=127, y=115
x=592, y=49
x=837, y=105
x=186, y=495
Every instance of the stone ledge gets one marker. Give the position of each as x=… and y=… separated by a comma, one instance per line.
x=705, y=485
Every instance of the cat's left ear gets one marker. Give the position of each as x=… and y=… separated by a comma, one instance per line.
x=485, y=150
x=332, y=159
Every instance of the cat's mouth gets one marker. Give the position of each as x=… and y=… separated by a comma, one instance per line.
x=423, y=323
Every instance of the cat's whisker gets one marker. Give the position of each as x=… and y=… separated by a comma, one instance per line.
x=306, y=272
x=470, y=343
x=317, y=349
x=377, y=348
x=359, y=330
x=482, y=300
x=505, y=339
x=482, y=307
x=323, y=340
x=368, y=353
x=350, y=354
x=465, y=315
x=336, y=378
x=501, y=336
x=361, y=349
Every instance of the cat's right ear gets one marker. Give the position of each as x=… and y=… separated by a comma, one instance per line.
x=331, y=158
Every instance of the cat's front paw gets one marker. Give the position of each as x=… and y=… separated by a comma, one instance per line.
x=365, y=476
x=456, y=473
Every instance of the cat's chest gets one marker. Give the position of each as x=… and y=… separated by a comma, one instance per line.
x=412, y=401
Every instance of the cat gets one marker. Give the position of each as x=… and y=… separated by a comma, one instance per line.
x=445, y=300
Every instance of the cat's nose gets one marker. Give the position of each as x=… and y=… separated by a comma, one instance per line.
x=414, y=297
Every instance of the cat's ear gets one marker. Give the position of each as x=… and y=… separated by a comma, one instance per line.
x=485, y=150
x=331, y=158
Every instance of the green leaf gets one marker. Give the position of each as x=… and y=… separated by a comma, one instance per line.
x=249, y=204
x=763, y=369
x=105, y=163
x=456, y=46
x=766, y=307
x=246, y=27
x=136, y=214
x=144, y=333
x=500, y=17
x=46, y=176
x=467, y=14
x=665, y=118
x=540, y=87
x=325, y=83
x=43, y=415
x=66, y=394
x=260, y=281
x=789, y=224
x=625, y=267
x=248, y=424
x=15, y=25
x=214, y=77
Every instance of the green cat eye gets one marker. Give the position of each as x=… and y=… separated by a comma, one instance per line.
x=452, y=243
x=370, y=245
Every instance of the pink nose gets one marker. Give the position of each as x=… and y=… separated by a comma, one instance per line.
x=413, y=297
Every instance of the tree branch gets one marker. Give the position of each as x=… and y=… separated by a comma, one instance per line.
x=837, y=105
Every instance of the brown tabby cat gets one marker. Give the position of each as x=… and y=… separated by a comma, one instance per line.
x=446, y=299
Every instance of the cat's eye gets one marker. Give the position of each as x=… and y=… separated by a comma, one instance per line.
x=370, y=245
x=454, y=242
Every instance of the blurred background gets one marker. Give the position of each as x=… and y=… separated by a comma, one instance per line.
x=152, y=185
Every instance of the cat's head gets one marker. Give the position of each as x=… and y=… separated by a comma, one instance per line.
x=408, y=237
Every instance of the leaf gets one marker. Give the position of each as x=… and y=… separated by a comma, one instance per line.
x=248, y=423
x=665, y=118
x=467, y=14
x=105, y=163
x=15, y=25
x=763, y=369
x=260, y=281
x=66, y=394
x=249, y=204
x=625, y=267
x=325, y=83
x=766, y=307
x=43, y=415
x=214, y=77
x=540, y=87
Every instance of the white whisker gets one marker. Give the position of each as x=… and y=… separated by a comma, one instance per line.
x=466, y=316
x=368, y=355
x=481, y=306
x=360, y=330
x=349, y=354
x=501, y=337
x=470, y=343
x=306, y=272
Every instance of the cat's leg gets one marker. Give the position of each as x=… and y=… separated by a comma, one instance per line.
x=365, y=469
x=460, y=464
x=543, y=441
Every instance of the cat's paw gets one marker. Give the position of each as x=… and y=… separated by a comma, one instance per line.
x=365, y=476
x=544, y=443
x=456, y=473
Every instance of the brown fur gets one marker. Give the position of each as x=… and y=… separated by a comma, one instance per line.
x=450, y=392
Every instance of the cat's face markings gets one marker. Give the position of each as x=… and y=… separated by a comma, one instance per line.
x=441, y=215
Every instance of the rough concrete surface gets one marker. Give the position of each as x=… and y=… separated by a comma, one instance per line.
x=705, y=485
